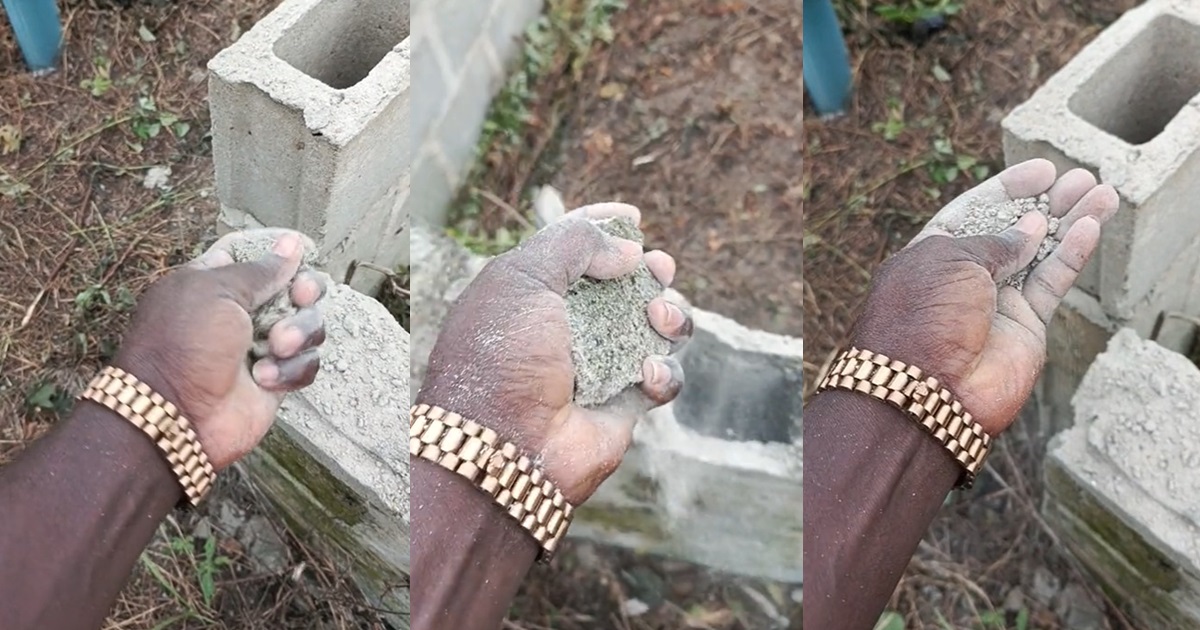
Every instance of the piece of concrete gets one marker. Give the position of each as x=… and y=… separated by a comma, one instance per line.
x=715, y=478
x=334, y=464
x=1127, y=107
x=310, y=129
x=1120, y=485
x=610, y=332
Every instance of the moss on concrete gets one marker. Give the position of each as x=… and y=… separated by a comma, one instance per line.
x=335, y=496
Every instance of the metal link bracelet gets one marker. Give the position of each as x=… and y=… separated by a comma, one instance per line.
x=924, y=400
x=159, y=419
x=497, y=468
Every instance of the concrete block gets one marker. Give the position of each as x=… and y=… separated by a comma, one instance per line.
x=460, y=25
x=310, y=123
x=509, y=20
x=334, y=465
x=742, y=384
x=721, y=491
x=1127, y=107
x=1119, y=485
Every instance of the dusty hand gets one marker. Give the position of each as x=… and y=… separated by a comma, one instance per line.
x=504, y=355
x=192, y=331
x=935, y=304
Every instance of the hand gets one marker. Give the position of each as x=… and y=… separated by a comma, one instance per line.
x=504, y=355
x=192, y=333
x=935, y=304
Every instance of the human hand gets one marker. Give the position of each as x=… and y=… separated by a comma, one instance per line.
x=935, y=304
x=192, y=333
x=503, y=357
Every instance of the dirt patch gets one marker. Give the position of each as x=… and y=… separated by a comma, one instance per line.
x=923, y=127
x=89, y=216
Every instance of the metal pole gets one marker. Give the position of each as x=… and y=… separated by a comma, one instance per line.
x=38, y=28
x=826, y=61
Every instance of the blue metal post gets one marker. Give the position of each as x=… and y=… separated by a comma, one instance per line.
x=38, y=28
x=826, y=61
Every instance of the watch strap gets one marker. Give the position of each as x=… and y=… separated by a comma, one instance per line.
x=922, y=398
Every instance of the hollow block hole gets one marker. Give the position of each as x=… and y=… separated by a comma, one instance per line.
x=339, y=42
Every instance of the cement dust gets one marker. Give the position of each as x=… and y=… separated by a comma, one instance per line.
x=986, y=217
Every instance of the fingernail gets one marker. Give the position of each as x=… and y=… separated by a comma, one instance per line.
x=660, y=313
x=628, y=248
x=287, y=246
x=1029, y=222
x=657, y=371
x=266, y=373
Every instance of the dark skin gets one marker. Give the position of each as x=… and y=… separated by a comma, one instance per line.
x=503, y=358
x=82, y=503
x=874, y=480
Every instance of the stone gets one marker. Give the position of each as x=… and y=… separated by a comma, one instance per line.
x=264, y=545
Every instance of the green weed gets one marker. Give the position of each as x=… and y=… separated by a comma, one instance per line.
x=891, y=128
x=913, y=11
x=101, y=80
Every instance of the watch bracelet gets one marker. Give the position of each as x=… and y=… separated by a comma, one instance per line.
x=495, y=467
x=923, y=399
x=161, y=421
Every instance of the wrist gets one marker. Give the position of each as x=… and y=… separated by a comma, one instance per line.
x=130, y=454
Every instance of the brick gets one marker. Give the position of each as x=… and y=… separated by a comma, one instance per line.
x=310, y=118
x=1127, y=107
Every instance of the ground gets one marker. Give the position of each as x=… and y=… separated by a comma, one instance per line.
x=924, y=126
x=692, y=114
x=81, y=235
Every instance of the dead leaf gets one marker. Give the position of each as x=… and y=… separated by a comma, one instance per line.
x=10, y=139
x=702, y=618
x=598, y=143
x=612, y=91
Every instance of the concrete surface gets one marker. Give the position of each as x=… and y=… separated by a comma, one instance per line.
x=334, y=464
x=1121, y=488
x=715, y=478
x=1127, y=108
x=462, y=54
x=310, y=126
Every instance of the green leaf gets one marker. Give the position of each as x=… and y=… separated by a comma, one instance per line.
x=43, y=397
x=145, y=34
x=940, y=73
x=180, y=129
x=890, y=621
x=1023, y=619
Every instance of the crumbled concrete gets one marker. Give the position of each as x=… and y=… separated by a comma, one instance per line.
x=254, y=246
x=1120, y=486
x=983, y=217
x=1127, y=108
x=611, y=333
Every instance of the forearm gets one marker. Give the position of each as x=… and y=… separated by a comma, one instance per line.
x=79, y=507
x=468, y=556
x=874, y=480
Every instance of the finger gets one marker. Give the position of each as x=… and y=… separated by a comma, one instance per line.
x=565, y=251
x=662, y=266
x=286, y=375
x=252, y=284
x=1068, y=190
x=662, y=379
x=671, y=322
x=1053, y=277
x=308, y=288
x=295, y=334
x=1027, y=179
x=608, y=210
x=218, y=254
x=1010, y=251
x=1100, y=203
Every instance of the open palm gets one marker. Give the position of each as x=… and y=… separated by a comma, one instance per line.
x=936, y=304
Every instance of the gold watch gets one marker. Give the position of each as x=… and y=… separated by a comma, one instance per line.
x=497, y=468
x=924, y=399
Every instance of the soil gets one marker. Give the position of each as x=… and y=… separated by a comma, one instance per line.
x=872, y=178
x=985, y=217
x=81, y=235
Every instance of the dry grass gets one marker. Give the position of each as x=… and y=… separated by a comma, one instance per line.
x=80, y=237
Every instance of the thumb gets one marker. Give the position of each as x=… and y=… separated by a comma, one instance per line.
x=1008, y=252
x=571, y=248
x=253, y=284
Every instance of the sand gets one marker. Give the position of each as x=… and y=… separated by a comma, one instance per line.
x=987, y=217
x=610, y=331
x=254, y=246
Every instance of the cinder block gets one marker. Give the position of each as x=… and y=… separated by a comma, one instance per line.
x=311, y=124
x=724, y=491
x=742, y=384
x=1120, y=492
x=1127, y=107
x=335, y=463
